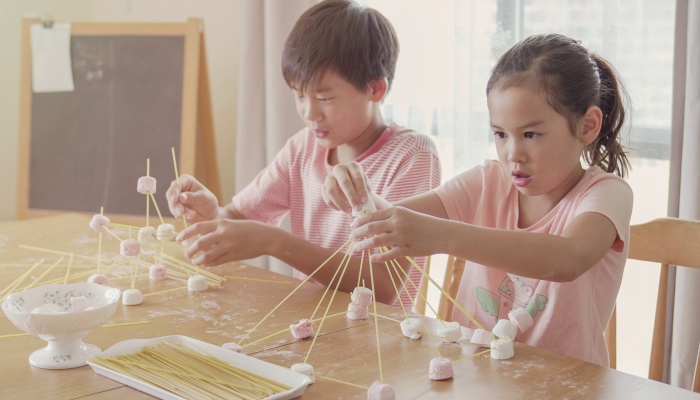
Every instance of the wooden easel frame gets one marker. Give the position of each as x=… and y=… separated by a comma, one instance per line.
x=197, y=141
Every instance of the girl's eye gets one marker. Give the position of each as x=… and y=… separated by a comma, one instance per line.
x=499, y=135
x=531, y=135
x=324, y=100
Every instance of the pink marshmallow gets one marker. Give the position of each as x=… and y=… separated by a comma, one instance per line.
x=233, y=347
x=357, y=312
x=146, y=185
x=98, y=279
x=157, y=272
x=481, y=337
x=130, y=247
x=99, y=222
x=303, y=329
x=361, y=296
x=440, y=368
x=380, y=391
x=79, y=303
x=520, y=317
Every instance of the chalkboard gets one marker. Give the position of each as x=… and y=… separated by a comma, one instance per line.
x=136, y=96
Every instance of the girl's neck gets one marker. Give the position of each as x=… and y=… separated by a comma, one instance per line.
x=533, y=208
x=351, y=150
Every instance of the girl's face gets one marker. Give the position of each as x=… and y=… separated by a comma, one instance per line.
x=535, y=144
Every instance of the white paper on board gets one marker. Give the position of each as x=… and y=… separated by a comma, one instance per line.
x=51, y=61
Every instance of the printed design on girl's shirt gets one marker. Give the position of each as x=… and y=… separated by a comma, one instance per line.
x=513, y=292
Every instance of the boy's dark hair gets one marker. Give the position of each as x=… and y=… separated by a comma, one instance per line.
x=573, y=80
x=356, y=42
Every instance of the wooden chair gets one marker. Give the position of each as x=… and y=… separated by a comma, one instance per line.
x=668, y=241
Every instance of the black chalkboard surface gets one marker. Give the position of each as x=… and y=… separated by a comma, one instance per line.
x=133, y=100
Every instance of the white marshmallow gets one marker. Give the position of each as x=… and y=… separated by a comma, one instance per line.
x=505, y=328
x=440, y=368
x=130, y=248
x=166, y=233
x=361, y=296
x=99, y=222
x=52, y=306
x=98, y=279
x=79, y=303
x=356, y=312
x=481, y=337
x=132, y=297
x=303, y=329
x=43, y=310
x=148, y=234
x=520, y=317
x=146, y=185
x=306, y=369
x=380, y=391
x=450, y=332
x=367, y=208
x=197, y=283
x=502, y=349
x=157, y=272
x=467, y=333
x=233, y=347
x=411, y=328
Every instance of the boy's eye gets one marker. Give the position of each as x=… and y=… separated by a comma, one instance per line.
x=499, y=135
x=531, y=135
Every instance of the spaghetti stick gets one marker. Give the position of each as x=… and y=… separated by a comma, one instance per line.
x=359, y=276
x=14, y=335
x=376, y=324
x=345, y=257
x=11, y=288
x=287, y=330
x=99, y=245
x=148, y=202
x=11, y=285
x=396, y=289
x=70, y=262
x=385, y=317
x=157, y=209
x=126, y=324
x=165, y=291
x=177, y=179
x=418, y=292
x=256, y=279
x=123, y=226
x=113, y=234
x=339, y=381
x=70, y=278
x=31, y=285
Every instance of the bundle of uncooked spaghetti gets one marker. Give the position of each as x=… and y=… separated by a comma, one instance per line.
x=183, y=370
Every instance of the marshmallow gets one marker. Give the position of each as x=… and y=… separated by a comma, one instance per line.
x=303, y=329
x=197, y=283
x=411, y=328
x=166, y=233
x=306, y=369
x=130, y=247
x=380, y=391
x=52, y=306
x=233, y=347
x=520, y=317
x=505, y=329
x=79, y=303
x=361, y=296
x=132, y=297
x=44, y=310
x=440, y=368
x=157, y=272
x=190, y=240
x=450, y=332
x=99, y=222
x=502, y=349
x=148, y=234
x=98, y=279
x=481, y=337
x=357, y=312
x=467, y=333
x=367, y=208
x=146, y=185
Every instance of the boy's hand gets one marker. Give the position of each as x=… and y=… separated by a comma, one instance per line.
x=225, y=240
x=346, y=188
x=195, y=201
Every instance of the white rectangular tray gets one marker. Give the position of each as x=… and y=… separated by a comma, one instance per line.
x=295, y=380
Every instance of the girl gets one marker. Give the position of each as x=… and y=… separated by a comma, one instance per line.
x=538, y=230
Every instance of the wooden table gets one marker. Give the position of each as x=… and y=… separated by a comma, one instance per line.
x=345, y=350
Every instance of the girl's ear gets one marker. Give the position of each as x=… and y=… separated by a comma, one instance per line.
x=592, y=121
x=378, y=89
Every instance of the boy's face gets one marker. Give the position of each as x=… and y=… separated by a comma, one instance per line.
x=334, y=110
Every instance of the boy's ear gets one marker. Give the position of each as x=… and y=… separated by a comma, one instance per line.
x=592, y=122
x=378, y=89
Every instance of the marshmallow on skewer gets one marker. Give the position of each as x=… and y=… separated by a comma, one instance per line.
x=166, y=233
x=357, y=312
x=99, y=222
x=132, y=297
x=520, y=317
x=505, y=329
x=146, y=185
x=411, y=328
x=99, y=279
x=157, y=272
x=129, y=248
x=450, y=332
x=440, y=369
x=481, y=337
x=233, y=347
x=197, y=283
x=467, y=333
x=362, y=296
x=306, y=369
x=380, y=391
x=303, y=329
x=79, y=303
x=148, y=234
x=502, y=349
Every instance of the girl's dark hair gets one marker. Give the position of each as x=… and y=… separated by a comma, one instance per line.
x=573, y=80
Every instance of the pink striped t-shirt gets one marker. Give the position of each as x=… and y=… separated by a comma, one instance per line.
x=400, y=164
x=569, y=317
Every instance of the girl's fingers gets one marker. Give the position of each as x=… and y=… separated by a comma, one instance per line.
x=201, y=228
x=376, y=228
x=210, y=255
x=337, y=196
x=375, y=216
x=393, y=254
x=373, y=242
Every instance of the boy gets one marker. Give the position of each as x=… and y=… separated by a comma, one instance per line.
x=339, y=61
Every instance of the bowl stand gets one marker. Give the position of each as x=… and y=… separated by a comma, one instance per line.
x=63, y=353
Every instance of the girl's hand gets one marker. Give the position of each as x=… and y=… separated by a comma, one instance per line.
x=346, y=188
x=225, y=240
x=402, y=231
x=195, y=201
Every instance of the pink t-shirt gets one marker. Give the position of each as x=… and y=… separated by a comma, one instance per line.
x=569, y=318
x=400, y=164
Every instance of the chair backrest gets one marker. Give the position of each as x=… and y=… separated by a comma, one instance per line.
x=668, y=241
